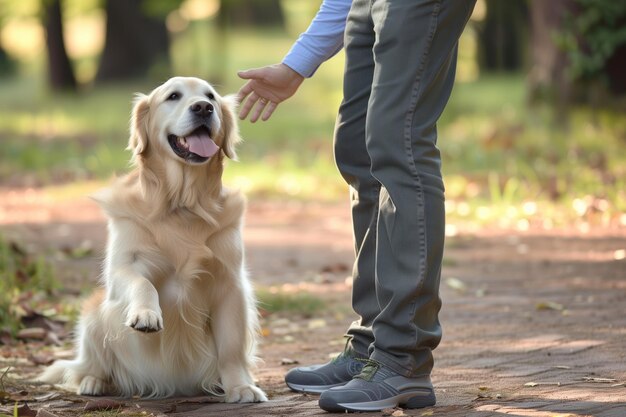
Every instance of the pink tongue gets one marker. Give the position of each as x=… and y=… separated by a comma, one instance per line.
x=202, y=145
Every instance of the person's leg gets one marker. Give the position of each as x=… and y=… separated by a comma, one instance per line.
x=415, y=56
x=354, y=164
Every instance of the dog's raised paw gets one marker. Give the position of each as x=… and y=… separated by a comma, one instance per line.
x=146, y=321
x=91, y=385
x=245, y=394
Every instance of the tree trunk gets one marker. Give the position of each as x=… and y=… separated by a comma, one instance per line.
x=7, y=65
x=616, y=70
x=548, y=77
x=502, y=36
x=134, y=42
x=267, y=13
x=60, y=72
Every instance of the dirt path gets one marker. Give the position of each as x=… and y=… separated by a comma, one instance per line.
x=534, y=323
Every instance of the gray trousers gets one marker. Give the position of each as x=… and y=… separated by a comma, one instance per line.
x=400, y=67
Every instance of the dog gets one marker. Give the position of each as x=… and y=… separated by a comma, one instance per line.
x=176, y=314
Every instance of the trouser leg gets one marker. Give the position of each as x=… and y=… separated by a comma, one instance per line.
x=354, y=164
x=414, y=57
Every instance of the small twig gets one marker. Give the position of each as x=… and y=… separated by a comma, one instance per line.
x=4, y=376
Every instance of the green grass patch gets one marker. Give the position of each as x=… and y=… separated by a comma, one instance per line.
x=302, y=303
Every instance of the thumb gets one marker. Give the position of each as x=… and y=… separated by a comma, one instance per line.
x=250, y=74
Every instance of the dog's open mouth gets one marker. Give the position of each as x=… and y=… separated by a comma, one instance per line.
x=197, y=146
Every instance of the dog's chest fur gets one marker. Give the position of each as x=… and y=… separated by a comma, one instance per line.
x=182, y=242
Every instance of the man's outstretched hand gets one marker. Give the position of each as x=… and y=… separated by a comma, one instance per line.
x=265, y=89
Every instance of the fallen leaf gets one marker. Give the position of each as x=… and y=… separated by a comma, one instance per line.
x=53, y=339
x=45, y=413
x=599, y=380
x=388, y=411
x=103, y=405
x=5, y=337
x=483, y=388
x=535, y=384
x=549, y=305
x=40, y=359
x=287, y=361
x=456, y=284
x=335, y=268
x=25, y=411
x=47, y=397
x=398, y=413
x=34, y=333
x=427, y=413
x=317, y=324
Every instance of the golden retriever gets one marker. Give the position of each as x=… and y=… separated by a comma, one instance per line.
x=176, y=314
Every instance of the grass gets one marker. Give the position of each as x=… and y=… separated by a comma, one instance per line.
x=26, y=283
x=289, y=302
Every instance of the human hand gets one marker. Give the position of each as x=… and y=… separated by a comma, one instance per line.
x=266, y=88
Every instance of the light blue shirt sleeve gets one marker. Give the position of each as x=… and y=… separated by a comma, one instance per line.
x=322, y=40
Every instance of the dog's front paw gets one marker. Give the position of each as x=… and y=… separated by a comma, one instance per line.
x=91, y=385
x=147, y=321
x=245, y=394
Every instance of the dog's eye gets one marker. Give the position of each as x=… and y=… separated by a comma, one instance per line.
x=211, y=96
x=174, y=96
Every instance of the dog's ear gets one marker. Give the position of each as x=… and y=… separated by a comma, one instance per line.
x=138, y=142
x=230, y=126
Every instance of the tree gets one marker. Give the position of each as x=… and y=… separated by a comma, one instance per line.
x=60, y=72
x=578, y=50
x=594, y=39
x=135, y=41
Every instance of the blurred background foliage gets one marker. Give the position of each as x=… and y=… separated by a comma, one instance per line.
x=534, y=134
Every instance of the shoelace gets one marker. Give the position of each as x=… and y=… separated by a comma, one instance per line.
x=369, y=369
x=346, y=353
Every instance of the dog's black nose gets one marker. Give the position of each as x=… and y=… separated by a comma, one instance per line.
x=202, y=108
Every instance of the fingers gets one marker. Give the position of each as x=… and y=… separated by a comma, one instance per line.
x=254, y=103
x=255, y=106
x=244, y=91
x=261, y=103
x=271, y=106
x=246, y=103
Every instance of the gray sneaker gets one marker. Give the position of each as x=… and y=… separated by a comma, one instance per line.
x=318, y=378
x=377, y=387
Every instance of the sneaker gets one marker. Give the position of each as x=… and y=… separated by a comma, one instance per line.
x=316, y=379
x=377, y=387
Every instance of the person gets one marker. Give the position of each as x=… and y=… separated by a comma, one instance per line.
x=400, y=61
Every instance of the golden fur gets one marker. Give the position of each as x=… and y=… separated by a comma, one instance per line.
x=176, y=314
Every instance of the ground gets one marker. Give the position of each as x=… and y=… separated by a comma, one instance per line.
x=534, y=321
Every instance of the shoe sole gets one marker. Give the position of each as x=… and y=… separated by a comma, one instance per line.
x=313, y=389
x=413, y=399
